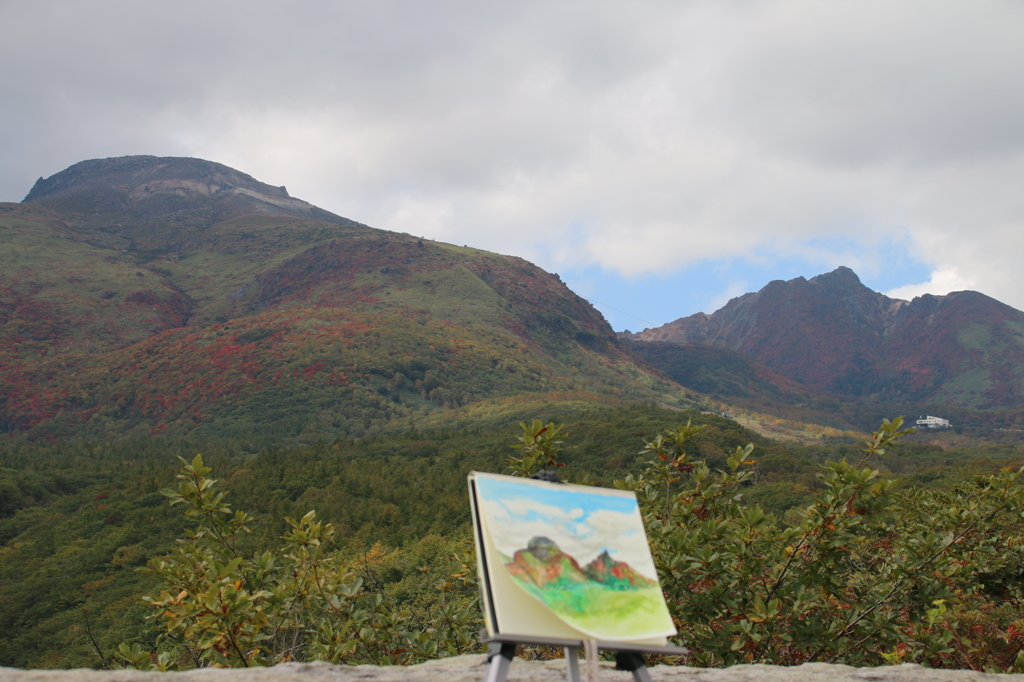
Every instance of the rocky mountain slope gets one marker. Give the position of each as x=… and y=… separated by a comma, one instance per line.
x=148, y=295
x=833, y=335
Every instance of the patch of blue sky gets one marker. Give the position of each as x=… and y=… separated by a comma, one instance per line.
x=653, y=299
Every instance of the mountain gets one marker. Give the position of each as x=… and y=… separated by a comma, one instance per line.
x=148, y=198
x=721, y=372
x=543, y=564
x=143, y=295
x=834, y=336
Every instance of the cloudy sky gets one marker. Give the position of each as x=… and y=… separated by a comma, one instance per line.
x=662, y=157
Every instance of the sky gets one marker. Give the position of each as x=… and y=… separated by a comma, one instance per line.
x=662, y=157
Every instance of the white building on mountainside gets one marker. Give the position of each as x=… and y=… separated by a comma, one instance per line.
x=930, y=422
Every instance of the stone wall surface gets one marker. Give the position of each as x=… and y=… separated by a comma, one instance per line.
x=472, y=668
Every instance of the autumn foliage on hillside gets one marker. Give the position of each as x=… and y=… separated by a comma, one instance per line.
x=838, y=338
x=285, y=327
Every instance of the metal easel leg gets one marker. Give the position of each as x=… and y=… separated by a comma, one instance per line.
x=499, y=657
x=572, y=663
x=633, y=662
x=593, y=659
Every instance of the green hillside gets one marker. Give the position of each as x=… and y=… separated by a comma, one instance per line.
x=133, y=303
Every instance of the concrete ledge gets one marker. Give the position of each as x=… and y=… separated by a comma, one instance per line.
x=471, y=669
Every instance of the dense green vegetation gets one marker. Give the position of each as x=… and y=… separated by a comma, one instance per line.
x=870, y=573
x=83, y=516
x=79, y=519
x=740, y=381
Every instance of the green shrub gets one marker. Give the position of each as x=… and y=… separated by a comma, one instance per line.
x=220, y=607
x=869, y=575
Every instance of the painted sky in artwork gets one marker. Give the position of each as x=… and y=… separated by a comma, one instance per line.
x=581, y=522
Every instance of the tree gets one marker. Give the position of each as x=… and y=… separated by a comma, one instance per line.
x=540, y=444
x=221, y=607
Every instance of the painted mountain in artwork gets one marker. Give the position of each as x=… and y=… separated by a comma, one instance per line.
x=617, y=574
x=606, y=599
x=543, y=565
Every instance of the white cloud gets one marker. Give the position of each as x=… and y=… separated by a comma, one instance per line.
x=941, y=283
x=641, y=137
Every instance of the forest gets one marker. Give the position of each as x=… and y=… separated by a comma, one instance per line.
x=94, y=544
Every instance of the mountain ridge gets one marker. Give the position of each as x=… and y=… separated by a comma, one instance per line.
x=145, y=294
x=833, y=335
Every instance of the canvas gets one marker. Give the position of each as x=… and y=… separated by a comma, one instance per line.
x=565, y=561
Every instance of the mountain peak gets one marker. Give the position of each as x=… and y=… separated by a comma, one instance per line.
x=142, y=188
x=606, y=570
x=833, y=334
x=841, y=275
x=135, y=170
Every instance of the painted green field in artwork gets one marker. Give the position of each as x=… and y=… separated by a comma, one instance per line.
x=607, y=613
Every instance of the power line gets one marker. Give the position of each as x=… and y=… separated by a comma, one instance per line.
x=621, y=312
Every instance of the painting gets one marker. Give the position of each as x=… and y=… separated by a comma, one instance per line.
x=579, y=553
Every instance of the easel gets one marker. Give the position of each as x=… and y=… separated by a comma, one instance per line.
x=504, y=630
x=501, y=651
